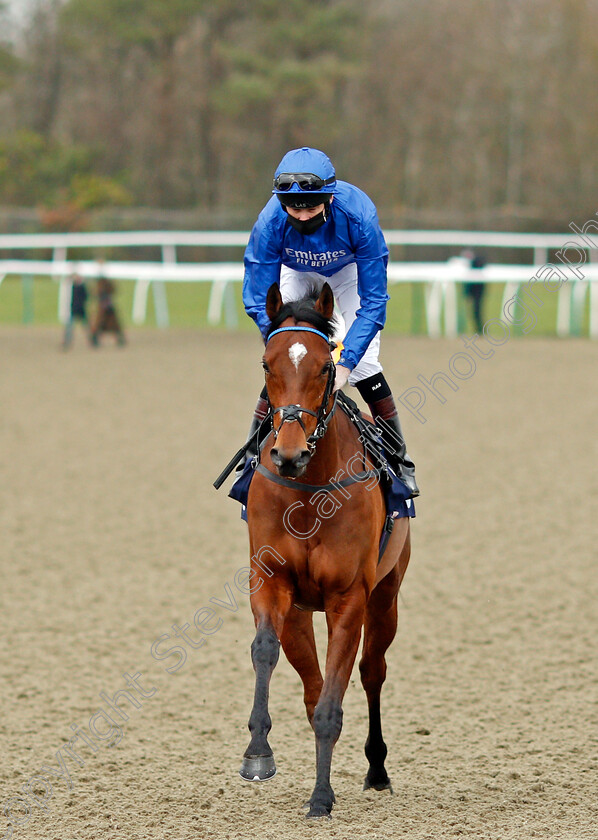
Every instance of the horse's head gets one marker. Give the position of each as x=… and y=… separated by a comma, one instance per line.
x=299, y=376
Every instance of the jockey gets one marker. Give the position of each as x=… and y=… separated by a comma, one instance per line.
x=316, y=229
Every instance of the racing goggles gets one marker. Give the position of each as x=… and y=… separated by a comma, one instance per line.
x=306, y=181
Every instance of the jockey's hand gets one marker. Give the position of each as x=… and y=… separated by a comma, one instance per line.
x=342, y=374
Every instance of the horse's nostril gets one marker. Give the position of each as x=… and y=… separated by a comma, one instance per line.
x=293, y=466
x=303, y=457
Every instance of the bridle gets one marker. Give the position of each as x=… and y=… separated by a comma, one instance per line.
x=292, y=413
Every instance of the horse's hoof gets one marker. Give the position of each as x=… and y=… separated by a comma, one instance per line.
x=379, y=785
x=319, y=811
x=320, y=803
x=257, y=768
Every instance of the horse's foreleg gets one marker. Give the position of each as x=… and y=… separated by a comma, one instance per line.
x=379, y=631
x=299, y=645
x=344, y=631
x=258, y=760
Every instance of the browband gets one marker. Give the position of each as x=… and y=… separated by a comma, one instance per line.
x=301, y=329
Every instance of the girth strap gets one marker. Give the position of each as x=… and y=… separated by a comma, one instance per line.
x=314, y=488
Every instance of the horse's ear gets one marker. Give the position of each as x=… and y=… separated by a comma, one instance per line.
x=325, y=303
x=273, y=301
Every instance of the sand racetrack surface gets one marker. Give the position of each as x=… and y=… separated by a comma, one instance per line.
x=111, y=533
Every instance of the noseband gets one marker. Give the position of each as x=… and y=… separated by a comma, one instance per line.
x=292, y=413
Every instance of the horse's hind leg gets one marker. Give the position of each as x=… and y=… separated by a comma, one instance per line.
x=299, y=645
x=258, y=759
x=379, y=630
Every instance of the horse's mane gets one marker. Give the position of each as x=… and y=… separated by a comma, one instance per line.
x=303, y=310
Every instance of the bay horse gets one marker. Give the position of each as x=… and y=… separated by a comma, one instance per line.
x=331, y=566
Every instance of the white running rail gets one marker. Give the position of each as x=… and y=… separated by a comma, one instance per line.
x=440, y=277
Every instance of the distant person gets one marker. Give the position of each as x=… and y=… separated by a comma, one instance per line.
x=475, y=290
x=78, y=309
x=106, y=318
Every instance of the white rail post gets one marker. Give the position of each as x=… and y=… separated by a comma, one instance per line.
x=139, y=313
x=159, y=288
x=563, y=311
x=231, y=319
x=578, y=300
x=433, y=308
x=450, y=308
x=215, y=302
x=509, y=292
x=64, y=288
x=160, y=304
x=593, y=326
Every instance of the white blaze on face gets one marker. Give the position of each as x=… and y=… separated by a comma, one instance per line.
x=296, y=353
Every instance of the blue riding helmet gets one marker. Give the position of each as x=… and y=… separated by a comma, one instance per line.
x=304, y=178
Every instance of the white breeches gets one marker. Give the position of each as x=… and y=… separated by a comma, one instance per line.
x=295, y=284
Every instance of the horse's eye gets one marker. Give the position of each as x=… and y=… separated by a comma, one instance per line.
x=266, y=368
x=326, y=369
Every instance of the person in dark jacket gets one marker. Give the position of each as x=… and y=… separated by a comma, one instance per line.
x=78, y=309
x=318, y=229
x=475, y=290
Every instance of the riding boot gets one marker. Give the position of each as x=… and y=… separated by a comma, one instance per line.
x=396, y=449
x=261, y=410
x=377, y=394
